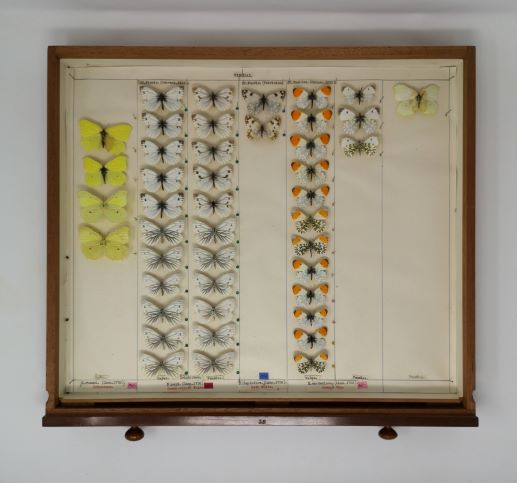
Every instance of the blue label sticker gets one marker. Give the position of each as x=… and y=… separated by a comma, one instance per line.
x=264, y=376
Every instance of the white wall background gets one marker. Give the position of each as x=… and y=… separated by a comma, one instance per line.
x=29, y=453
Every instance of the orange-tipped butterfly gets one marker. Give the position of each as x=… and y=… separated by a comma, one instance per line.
x=310, y=197
x=317, y=246
x=312, y=296
x=311, y=123
x=308, y=364
x=310, y=341
x=306, y=273
x=305, y=223
x=314, y=320
x=310, y=173
x=307, y=99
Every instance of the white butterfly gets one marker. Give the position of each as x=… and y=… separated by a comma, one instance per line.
x=363, y=95
x=171, y=340
x=353, y=121
x=367, y=146
x=219, y=311
x=219, y=153
x=310, y=319
x=169, y=260
x=224, y=336
x=153, y=234
x=310, y=173
x=221, y=99
x=303, y=246
x=308, y=273
x=170, y=313
x=223, y=284
x=221, y=206
x=154, y=100
x=168, y=181
x=221, y=364
x=310, y=341
x=170, y=365
x=153, y=207
x=305, y=296
x=223, y=259
x=310, y=197
x=221, y=233
x=256, y=129
x=305, y=148
x=257, y=102
x=307, y=99
x=410, y=100
x=221, y=126
x=171, y=153
x=168, y=286
x=156, y=126
x=310, y=123
x=220, y=179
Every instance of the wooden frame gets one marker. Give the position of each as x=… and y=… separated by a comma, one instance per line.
x=373, y=412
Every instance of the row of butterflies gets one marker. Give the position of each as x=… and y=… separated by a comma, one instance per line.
x=94, y=137
x=310, y=193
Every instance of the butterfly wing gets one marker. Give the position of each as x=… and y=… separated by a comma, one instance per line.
x=370, y=145
x=367, y=94
x=349, y=118
x=153, y=124
x=92, y=245
x=406, y=97
x=203, y=125
x=173, y=98
x=114, y=207
x=273, y=128
x=429, y=100
x=253, y=101
x=117, y=243
x=349, y=146
x=173, y=125
x=224, y=283
x=91, y=206
x=92, y=172
x=224, y=126
x=320, y=148
x=174, y=205
x=371, y=121
x=90, y=133
x=116, y=168
x=150, y=98
x=253, y=127
x=220, y=260
x=152, y=180
x=116, y=137
x=322, y=96
x=275, y=101
x=223, y=99
x=302, y=97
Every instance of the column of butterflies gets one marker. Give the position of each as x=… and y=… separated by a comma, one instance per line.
x=215, y=251
x=163, y=231
x=94, y=207
x=310, y=241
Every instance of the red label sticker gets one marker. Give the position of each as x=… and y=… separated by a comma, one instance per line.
x=208, y=385
x=132, y=385
x=362, y=384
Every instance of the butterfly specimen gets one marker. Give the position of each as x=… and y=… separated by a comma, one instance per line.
x=308, y=364
x=224, y=336
x=310, y=123
x=410, y=100
x=310, y=341
x=221, y=99
x=157, y=126
x=307, y=99
x=317, y=246
x=257, y=102
x=206, y=206
x=154, y=100
x=153, y=234
x=114, y=245
x=307, y=273
x=168, y=181
x=220, y=179
x=223, y=284
x=310, y=173
x=353, y=121
x=221, y=126
x=219, y=311
x=367, y=146
x=218, y=153
x=112, y=172
x=169, y=366
x=223, y=259
x=305, y=296
x=167, y=286
x=305, y=148
x=305, y=223
x=310, y=319
x=170, y=153
x=111, y=138
x=154, y=207
x=221, y=364
x=310, y=197
x=256, y=129
x=171, y=340
x=171, y=313
x=169, y=260
x=221, y=233
x=363, y=95
x=94, y=208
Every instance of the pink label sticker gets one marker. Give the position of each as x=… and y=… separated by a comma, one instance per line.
x=132, y=385
x=362, y=384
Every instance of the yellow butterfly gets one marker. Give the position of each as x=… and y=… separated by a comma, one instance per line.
x=114, y=245
x=111, y=138
x=93, y=207
x=410, y=101
x=112, y=173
